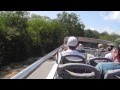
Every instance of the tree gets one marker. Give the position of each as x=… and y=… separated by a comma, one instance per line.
x=96, y=34
x=105, y=36
x=91, y=34
x=114, y=37
x=117, y=42
x=71, y=24
x=41, y=32
x=15, y=44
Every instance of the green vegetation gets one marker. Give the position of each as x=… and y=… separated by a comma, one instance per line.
x=23, y=35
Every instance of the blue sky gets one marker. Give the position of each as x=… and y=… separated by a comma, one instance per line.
x=97, y=20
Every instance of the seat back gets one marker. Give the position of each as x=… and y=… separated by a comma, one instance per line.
x=112, y=74
x=72, y=59
x=77, y=71
x=96, y=60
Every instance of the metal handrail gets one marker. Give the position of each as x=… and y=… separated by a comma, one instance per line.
x=54, y=68
x=29, y=70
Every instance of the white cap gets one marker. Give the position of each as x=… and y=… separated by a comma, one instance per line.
x=72, y=41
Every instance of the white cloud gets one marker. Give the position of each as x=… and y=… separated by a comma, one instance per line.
x=88, y=27
x=108, y=29
x=112, y=15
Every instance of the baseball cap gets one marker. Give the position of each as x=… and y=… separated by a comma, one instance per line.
x=72, y=41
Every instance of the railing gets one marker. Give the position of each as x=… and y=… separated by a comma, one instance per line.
x=54, y=68
x=29, y=70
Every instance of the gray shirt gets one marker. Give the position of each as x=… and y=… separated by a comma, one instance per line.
x=72, y=52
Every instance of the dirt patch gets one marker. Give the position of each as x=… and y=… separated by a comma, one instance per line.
x=6, y=72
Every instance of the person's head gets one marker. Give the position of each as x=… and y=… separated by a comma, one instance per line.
x=116, y=53
x=72, y=42
x=110, y=48
x=100, y=45
x=80, y=46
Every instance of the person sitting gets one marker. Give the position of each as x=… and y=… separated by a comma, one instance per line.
x=109, y=54
x=72, y=44
x=100, y=47
x=80, y=48
x=100, y=50
x=105, y=66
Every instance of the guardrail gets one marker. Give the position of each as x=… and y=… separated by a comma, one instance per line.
x=29, y=70
x=54, y=68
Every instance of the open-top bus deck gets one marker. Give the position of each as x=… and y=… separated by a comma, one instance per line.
x=46, y=67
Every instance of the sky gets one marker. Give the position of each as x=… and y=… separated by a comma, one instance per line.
x=96, y=20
